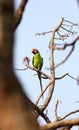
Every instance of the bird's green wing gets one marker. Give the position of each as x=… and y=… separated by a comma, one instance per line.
x=40, y=64
x=33, y=60
x=41, y=61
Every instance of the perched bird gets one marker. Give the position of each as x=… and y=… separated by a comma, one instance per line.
x=37, y=62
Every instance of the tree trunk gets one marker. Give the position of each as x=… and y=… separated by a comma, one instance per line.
x=15, y=107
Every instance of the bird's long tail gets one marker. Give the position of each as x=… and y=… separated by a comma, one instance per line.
x=40, y=80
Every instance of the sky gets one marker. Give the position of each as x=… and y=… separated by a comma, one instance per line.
x=42, y=16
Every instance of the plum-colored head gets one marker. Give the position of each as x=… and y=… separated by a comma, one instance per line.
x=35, y=51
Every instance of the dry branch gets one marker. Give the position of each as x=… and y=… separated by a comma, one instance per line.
x=64, y=26
x=52, y=73
x=58, y=78
x=66, y=74
x=43, y=92
x=67, y=115
x=59, y=124
x=33, y=68
x=19, y=13
x=37, y=112
x=56, y=107
x=72, y=45
x=66, y=44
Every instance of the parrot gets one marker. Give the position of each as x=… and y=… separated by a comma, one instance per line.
x=37, y=62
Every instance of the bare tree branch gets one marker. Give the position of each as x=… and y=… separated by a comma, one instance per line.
x=43, y=92
x=72, y=44
x=52, y=73
x=37, y=112
x=20, y=69
x=56, y=106
x=70, y=113
x=66, y=44
x=67, y=28
x=59, y=124
x=33, y=68
x=42, y=33
x=19, y=13
x=66, y=74
x=57, y=27
x=58, y=78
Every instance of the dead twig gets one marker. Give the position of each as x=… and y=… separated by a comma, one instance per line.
x=33, y=68
x=56, y=106
x=55, y=29
x=72, y=44
x=43, y=92
x=20, y=69
x=43, y=33
x=66, y=44
x=66, y=74
x=52, y=73
x=67, y=115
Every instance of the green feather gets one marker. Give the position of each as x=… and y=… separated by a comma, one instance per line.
x=39, y=76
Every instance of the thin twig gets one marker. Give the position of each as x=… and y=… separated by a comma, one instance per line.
x=66, y=58
x=69, y=114
x=58, y=78
x=55, y=29
x=72, y=44
x=66, y=25
x=76, y=24
x=42, y=33
x=20, y=69
x=43, y=92
x=66, y=74
x=65, y=45
x=68, y=30
x=56, y=106
x=72, y=77
x=65, y=35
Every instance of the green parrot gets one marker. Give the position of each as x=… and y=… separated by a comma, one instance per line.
x=37, y=62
